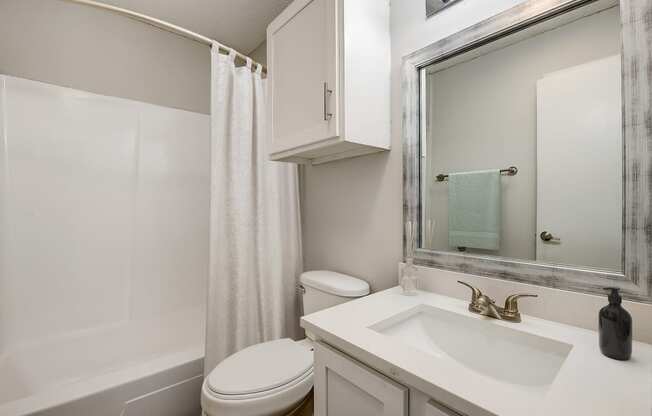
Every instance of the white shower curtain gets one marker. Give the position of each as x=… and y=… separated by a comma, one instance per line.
x=255, y=243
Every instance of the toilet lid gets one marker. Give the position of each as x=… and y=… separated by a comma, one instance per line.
x=261, y=367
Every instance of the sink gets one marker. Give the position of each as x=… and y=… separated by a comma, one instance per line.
x=481, y=345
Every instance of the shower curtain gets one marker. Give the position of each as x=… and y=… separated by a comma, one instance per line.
x=255, y=240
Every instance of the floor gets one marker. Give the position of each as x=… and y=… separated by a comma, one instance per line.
x=306, y=408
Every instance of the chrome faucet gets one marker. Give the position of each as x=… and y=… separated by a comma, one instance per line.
x=482, y=304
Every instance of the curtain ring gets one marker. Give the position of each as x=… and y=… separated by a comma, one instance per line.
x=215, y=47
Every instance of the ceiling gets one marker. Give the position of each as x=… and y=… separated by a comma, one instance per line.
x=240, y=24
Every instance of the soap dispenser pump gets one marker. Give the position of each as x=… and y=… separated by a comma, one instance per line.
x=615, y=328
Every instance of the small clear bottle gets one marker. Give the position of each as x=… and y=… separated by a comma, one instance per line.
x=409, y=278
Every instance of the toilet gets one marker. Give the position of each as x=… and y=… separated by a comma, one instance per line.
x=273, y=378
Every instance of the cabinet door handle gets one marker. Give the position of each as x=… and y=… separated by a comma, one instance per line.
x=327, y=94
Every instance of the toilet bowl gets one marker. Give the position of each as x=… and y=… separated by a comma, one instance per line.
x=273, y=378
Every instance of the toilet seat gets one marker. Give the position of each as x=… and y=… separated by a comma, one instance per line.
x=307, y=377
x=264, y=379
x=275, y=364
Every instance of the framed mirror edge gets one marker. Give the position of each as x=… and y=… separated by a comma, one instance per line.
x=636, y=37
x=431, y=11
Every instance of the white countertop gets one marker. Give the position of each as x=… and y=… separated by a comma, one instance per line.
x=588, y=383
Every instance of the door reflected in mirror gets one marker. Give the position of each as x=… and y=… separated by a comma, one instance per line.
x=522, y=147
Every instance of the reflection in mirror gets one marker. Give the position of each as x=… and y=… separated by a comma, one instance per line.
x=522, y=149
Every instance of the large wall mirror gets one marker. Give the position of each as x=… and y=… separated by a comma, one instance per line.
x=527, y=146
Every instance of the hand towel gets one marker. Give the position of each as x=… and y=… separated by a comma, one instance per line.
x=474, y=209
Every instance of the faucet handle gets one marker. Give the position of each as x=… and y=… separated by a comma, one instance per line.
x=511, y=312
x=476, y=293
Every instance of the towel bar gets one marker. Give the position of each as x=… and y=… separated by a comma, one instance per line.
x=510, y=171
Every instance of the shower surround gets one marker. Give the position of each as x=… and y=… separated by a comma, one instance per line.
x=104, y=213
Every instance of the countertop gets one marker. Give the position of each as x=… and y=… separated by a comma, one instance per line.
x=588, y=383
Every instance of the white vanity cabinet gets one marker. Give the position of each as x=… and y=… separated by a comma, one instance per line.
x=422, y=405
x=328, y=80
x=344, y=387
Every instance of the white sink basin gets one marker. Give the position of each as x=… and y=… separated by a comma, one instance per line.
x=479, y=344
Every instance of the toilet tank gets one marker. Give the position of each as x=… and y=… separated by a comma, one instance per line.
x=323, y=289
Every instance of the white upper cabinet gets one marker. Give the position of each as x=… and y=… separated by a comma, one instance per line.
x=328, y=80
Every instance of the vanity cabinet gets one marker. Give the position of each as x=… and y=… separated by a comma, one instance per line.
x=344, y=386
x=422, y=405
x=328, y=80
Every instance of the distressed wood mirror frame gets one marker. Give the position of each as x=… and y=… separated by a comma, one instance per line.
x=636, y=50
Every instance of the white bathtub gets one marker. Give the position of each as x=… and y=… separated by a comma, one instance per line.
x=141, y=368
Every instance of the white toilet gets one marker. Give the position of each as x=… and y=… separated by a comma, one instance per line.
x=273, y=378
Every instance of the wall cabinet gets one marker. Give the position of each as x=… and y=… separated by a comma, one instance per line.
x=344, y=386
x=328, y=80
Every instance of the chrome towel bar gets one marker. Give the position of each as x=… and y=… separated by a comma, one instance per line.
x=510, y=171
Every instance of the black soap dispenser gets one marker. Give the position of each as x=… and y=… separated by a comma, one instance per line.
x=615, y=329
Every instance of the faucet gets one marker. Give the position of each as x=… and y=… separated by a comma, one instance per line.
x=482, y=304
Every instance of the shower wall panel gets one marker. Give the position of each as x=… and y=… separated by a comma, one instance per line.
x=103, y=210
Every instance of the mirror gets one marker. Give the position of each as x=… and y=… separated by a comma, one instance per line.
x=526, y=154
x=522, y=147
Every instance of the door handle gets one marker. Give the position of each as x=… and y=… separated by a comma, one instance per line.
x=549, y=238
x=327, y=93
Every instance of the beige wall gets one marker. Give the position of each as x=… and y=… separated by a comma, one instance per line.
x=353, y=209
x=260, y=54
x=93, y=50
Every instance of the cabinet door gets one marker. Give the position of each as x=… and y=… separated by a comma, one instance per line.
x=303, y=83
x=344, y=387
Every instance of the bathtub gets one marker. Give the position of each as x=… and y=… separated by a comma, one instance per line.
x=148, y=367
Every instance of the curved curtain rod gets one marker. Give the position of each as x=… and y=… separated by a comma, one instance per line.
x=169, y=27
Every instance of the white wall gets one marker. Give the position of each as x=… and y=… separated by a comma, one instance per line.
x=81, y=47
x=104, y=205
x=483, y=115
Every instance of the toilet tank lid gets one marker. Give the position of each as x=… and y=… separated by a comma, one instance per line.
x=335, y=283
